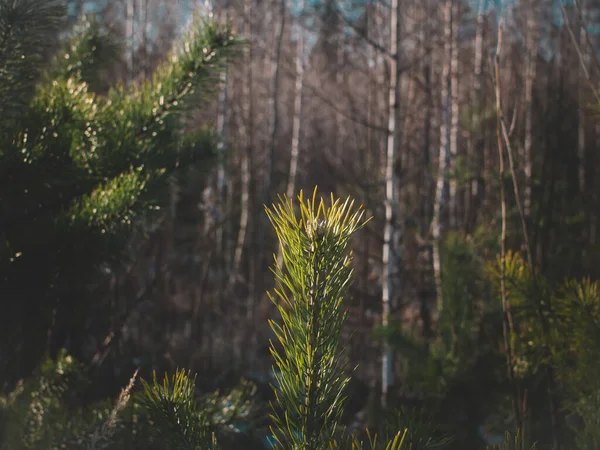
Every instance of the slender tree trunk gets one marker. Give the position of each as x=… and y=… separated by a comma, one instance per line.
x=425, y=178
x=444, y=155
x=246, y=126
x=452, y=194
x=367, y=162
x=339, y=119
x=581, y=129
x=389, y=259
x=221, y=146
x=263, y=225
x=274, y=103
x=219, y=204
x=130, y=33
x=146, y=30
x=593, y=218
x=530, y=75
x=476, y=150
x=297, y=120
x=405, y=163
x=581, y=116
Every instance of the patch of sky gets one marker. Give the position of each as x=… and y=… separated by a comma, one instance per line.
x=74, y=8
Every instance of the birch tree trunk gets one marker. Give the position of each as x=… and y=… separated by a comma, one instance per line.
x=530, y=75
x=298, y=90
x=274, y=103
x=388, y=258
x=339, y=120
x=425, y=184
x=246, y=144
x=129, y=32
x=222, y=131
x=452, y=194
x=298, y=32
x=274, y=64
x=581, y=124
x=476, y=148
x=444, y=155
x=146, y=27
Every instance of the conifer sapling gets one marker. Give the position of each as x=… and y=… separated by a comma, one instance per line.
x=310, y=287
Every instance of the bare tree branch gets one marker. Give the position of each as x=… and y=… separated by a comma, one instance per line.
x=578, y=50
x=507, y=322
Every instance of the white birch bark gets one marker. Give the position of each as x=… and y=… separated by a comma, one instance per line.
x=274, y=64
x=275, y=68
x=129, y=32
x=477, y=150
x=339, y=120
x=222, y=131
x=530, y=75
x=388, y=257
x=246, y=143
x=146, y=29
x=444, y=154
x=452, y=194
x=298, y=33
x=298, y=90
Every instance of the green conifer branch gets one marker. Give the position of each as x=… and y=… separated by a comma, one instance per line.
x=175, y=413
x=90, y=52
x=311, y=285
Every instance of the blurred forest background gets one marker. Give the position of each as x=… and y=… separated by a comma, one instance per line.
x=483, y=248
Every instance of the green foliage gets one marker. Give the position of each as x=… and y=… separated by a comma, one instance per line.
x=570, y=313
x=398, y=442
x=433, y=366
x=44, y=412
x=421, y=431
x=309, y=368
x=575, y=344
x=462, y=296
x=529, y=299
x=181, y=419
x=49, y=410
x=461, y=173
x=83, y=166
x=586, y=426
x=91, y=53
x=576, y=337
x=176, y=415
x=311, y=285
x=516, y=442
x=237, y=406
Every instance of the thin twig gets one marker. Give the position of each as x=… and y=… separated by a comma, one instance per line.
x=517, y=193
x=376, y=45
x=578, y=50
x=507, y=326
x=504, y=134
x=586, y=34
x=513, y=122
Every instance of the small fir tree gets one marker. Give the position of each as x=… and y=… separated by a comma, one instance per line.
x=311, y=284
